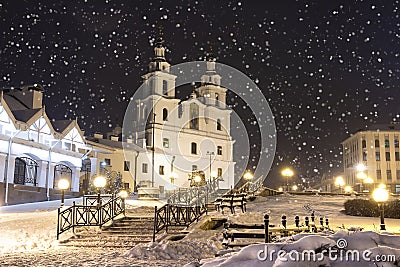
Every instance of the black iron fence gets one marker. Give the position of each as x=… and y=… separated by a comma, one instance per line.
x=91, y=213
x=176, y=215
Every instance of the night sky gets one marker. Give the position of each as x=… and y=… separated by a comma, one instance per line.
x=327, y=68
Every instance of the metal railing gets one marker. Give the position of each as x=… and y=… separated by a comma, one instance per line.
x=250, y=186
x=193, y=195
x=176, y=215
x=90, y=213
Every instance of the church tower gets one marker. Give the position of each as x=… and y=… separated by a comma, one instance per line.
x=158, y=80
x=210, y=87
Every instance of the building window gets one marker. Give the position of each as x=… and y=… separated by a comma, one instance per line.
x=217, y=99
x=219, y=128
x=165, y=114
x=376, y=142
x=25, y=171
x=364, y=156
x=107, y=162
x=161, y=170
x=194, y=148
x=378, y=156
x=397, y=174
x=219, y=172
x=396, y=142
x=127, y=165
x=397, y=156
x=165, y=87
x=219, y=150
x=194, y=116
x=166, y=143
x=144, y=168
x=387, y=143
x=378, y=175
x=387, y=154
x=389, y=175
x=364, y=144
x=194, y=168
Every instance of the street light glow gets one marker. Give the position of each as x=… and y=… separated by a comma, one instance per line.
x=197, y=179
x=369, y=180
x=63, y=184
x=361, y=175
x=348, y=189
x=380, y=195
x=248, y=176
x=99, y=182
x=339, y=181
x=123, y=194
x=287, y=172
x=294, y=188
x=361, y=167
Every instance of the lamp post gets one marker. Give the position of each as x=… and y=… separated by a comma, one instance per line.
x=99, y=182
x=63, y=184
x=369, y=181
x=248, y=176
x=339, y=182
x=123, y=194
x=287, y=173
x=210, y=154
x=381, y=196
x=362, y=176
x=348, y=189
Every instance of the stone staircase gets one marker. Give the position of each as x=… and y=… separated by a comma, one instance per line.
x=125, y=232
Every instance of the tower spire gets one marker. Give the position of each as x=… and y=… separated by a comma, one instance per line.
x=159, y=63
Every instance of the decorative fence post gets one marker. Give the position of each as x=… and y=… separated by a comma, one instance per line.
x=297, y=221
x=266, y=228
x=155, y=224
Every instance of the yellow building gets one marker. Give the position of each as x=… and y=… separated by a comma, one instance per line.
x=372, y=156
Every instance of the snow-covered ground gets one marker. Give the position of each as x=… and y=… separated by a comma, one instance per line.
x=28, y=234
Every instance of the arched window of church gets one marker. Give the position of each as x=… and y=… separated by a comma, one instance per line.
x=165, y=87
x=217, y=99
x=194, y=148
x=194, y=116
x=219, y=127
x=165, y=114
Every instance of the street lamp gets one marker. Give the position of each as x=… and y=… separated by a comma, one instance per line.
x=362, y=176
x=210, y=154
x=348, y=189
x=287, y=173
x=381, y=196
x=63, y=184
x=280, y=189
x=99, y=182
x=339, y=181
x=295, y=187
x=197, y=179
x=369, y=181
x=248, y=176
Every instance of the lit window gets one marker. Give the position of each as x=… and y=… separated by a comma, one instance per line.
x=219, y=128
x=166, y=143
x=219, y=150
x=165, y=114
x=127, y=165
x=161, y=170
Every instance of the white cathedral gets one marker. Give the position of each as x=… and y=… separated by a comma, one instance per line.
x=189, y=135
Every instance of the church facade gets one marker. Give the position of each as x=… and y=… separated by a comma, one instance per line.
x=187, y=136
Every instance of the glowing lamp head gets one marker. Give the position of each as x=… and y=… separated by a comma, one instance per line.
x=248, y=176
x=339, y=181
x=99, y=182
x=348, y=189
x=294, y=188
x=280, y=189
x=369, y=180
x=380, y=195
x=361, y=167
x=361, y=175
x=382, y=186
x=197, y=179
x=123, y=194
x=63, y=184
x=287, y=172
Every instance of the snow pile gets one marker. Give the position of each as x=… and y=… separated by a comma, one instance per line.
x=188, y=249
x=339, y=249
